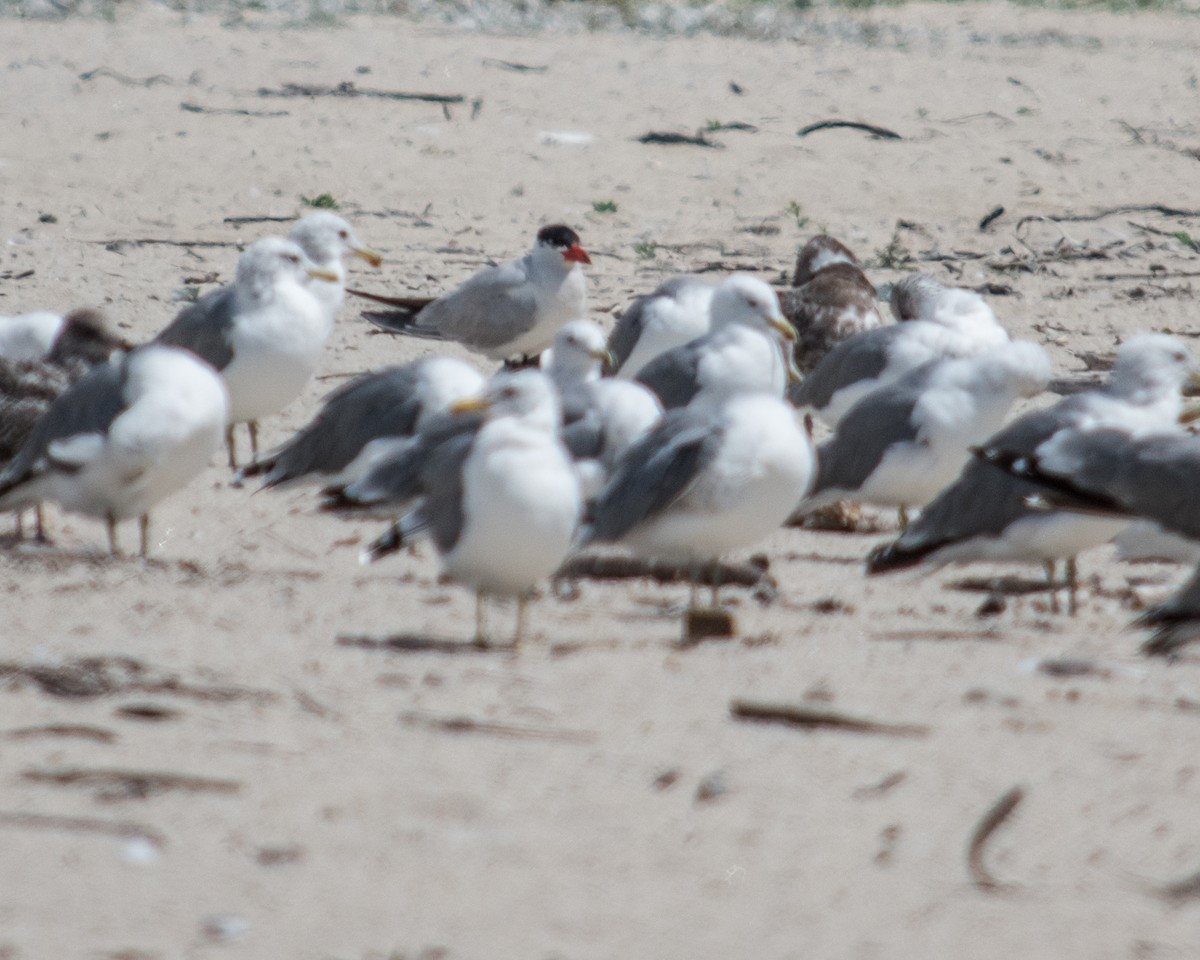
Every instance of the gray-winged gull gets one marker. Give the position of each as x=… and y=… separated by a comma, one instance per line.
x=265, y=333
x=675, y=313
x=1115, y=472
x=900, y=445
x=936, y=321
x=503, y=312
x=502, y=503
x=986, y=513
x=742, y=351
x=326, y=240
x=128, y=434
x=363, y=418
x=713, y=477
x=28, y=336
x=830, y=300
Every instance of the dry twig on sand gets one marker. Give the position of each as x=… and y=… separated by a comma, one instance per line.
x=999, y=811
x=811, y=718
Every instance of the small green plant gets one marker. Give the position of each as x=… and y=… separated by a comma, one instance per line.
x=797, y=212
x=1025, y=111
x=712, y=126
x=1187, y=240
x=604, y=206
x=324, y=201
x=646, y=249
x=894, y=255
x=922, y=113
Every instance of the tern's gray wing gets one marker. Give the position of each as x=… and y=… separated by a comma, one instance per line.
x=674, y=376
x=982, y=502
x=205, y=328
x=88, y=407
x=868, y=431
x=861, y=357
x=380, y=404
x=397, y=476
x=491, y=309
x=653, y=474
x=1109, y=470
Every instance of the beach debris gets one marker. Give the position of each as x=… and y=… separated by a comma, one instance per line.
x=879, y=133
x=113, y=784
x=463, y=724
x=996, y=814
x=347, y=88
x=820, y=717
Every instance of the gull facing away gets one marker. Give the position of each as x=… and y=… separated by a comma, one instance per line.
x=1113, y=472
x=130, y=433
x=361, y=419
x=327, y=240
x=830, y=300
x=675, y=313
x=935, y=321
x=742, y=351
x=900, y=445
x=502, y=503
x=264, y=333
x=986, y=514
x=504, y=312
x=713, y=477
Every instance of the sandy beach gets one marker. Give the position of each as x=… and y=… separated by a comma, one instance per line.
x=217, y=753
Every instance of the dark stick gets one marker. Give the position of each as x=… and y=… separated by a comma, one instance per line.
x=237, y=221
x=999, y=811
x=882, y=133
x=1100, y=215
x=112, y=828
x=990, y=219
x=515, y=67
x=122, y=78
x=801, y=715
x=657, y=136
x=231, y=111
x=471, y=725
x=348, y=89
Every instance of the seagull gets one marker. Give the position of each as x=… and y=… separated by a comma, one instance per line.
x=901, y=444
x=505, y=312
x=502, y=503
x=29, y=387
x=831, y=299
x=602, y=416
x=365, y=417
x=713, y=477
x=131, y=432
x=936, y=322
x=1113, y=472
x=265, y=333
x=986, y=514
x=741, y=352
x=28, y=336
x=326, y=239
x=677, y=312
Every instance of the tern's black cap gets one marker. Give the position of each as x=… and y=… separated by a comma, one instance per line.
x=558, y=236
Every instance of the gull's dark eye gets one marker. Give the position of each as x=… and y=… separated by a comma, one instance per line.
x=344, y=235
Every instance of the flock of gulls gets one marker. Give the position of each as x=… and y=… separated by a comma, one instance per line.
x=683, y=435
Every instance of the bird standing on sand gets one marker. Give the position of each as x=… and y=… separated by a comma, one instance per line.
x=505, y=312
x=264, y=333
x=502, y=502
x=130, y=433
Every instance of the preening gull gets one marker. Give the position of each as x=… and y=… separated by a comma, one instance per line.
x=713, y=477
x=677, y=312
x=986, y=513
x=936, y=321
x=504, y=312
x=502, y=503
x=742, y=351
x=360, y=420
x=830, y=300
x=326, y=240
x=128, y=434
x=265, y=333
x=1112, y=471
x=901, y=444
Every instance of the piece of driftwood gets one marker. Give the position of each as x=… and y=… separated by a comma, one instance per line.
x=600, y=567
x=1179, y=890
x=70, y=730
x=1159, y=208
x=672, y=139
x=513, y=66
x=990, y=218
x=348, y=89
x=812, y=717
x=471, y=725
x=879, y=133
x=120, y=784
x=996, y=814
x=190, y=107
x=413, y=643
x=124, y=78
x=110, y=828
